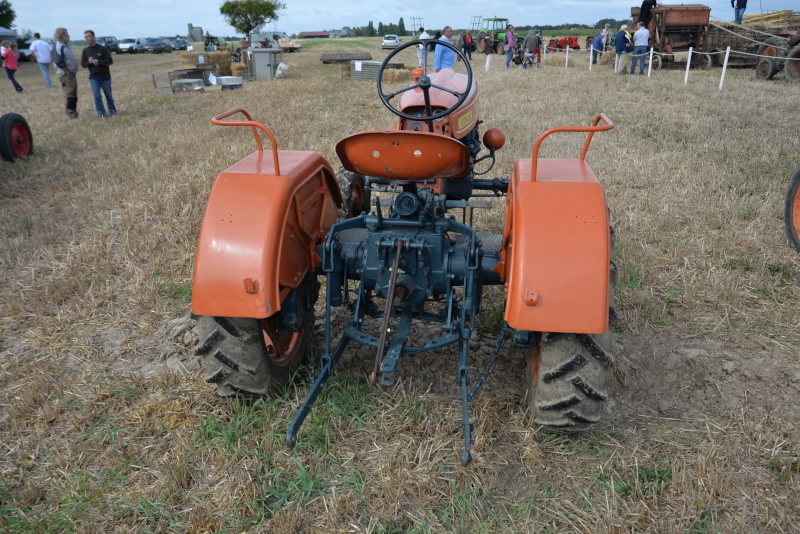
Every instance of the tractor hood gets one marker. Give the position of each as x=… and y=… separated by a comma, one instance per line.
x=462, y=120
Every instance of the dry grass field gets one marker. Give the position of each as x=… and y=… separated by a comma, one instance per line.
x=107, y=426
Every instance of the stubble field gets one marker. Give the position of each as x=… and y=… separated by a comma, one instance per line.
x=107, y=426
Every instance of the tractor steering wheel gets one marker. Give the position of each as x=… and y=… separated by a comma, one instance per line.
x=424, y=82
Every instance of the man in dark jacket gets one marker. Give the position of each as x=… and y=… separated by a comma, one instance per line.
x=97, y=59
x=738, y=9
x=622, y=46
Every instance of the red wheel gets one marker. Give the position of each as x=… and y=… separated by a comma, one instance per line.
x=285, y=348
x=16, y=141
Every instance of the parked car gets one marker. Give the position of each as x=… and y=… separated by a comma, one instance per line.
x=180, y=44
x=131, y=46
x=112, y=43
x=156, y=45
x=390, y=41
x=25, y=51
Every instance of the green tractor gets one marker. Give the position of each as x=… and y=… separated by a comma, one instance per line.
x=495, y=28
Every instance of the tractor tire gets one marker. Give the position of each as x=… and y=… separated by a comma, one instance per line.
x=254, y=356
x=355, y=194
x=792, y=68
x=568, y=380
x=774, y=47
x=792, y=212
x=568, y=375
x=766, y=68
x=658, y=62
x=16, y=140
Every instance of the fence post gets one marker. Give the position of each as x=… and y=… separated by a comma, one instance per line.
x=591, y=55
x=724, y=68
x=650, y=63
x=566, y=61
x=688, y=65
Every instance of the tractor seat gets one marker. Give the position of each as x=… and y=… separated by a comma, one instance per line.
x=404, y=155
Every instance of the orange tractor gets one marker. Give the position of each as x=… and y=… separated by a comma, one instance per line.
x=383, y=237
x=556, y=45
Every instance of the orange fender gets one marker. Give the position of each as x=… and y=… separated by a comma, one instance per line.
x=557, y=248
x=259, y=232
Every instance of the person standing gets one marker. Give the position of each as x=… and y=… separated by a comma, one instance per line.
x=622, y=46
x=41, y=52
x=468, y=45
x=510, y=44
x=597, y=48
x=738, y=9
x=443, y=56
x=422, y=35
x=66, y=67
x=97, y=59
x=641, y=39
x=11, y=59
x=608, y=36
x=530, y=45
x=644, y=11
x=487, y=49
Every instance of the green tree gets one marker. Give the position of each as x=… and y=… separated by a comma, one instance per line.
x=7, y=14
x=401, y=27
x=370, y=29
x=248, y=15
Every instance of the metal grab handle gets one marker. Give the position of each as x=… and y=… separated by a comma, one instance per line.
x=590, y=129
x=255, y=126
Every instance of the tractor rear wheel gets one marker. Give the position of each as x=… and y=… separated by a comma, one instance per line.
x=568, y=376
x=792, y=212
x=792, y=68
x=253, y=356
x=568, y=380
x=16, y=140
x=354, y=192
x=766, y=68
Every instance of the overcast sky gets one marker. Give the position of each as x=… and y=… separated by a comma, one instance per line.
x=144, y=18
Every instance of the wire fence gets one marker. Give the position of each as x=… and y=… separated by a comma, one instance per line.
x=687, y=55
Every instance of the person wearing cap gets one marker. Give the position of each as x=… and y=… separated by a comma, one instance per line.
x=597, y=48
x=608, y=36
x=531, y=44
x=622, y=46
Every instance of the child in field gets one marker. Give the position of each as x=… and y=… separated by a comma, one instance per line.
x=11, y=59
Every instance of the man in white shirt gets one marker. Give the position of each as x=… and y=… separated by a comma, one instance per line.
x=422, y=35
x=41, y=52
x=641, y=40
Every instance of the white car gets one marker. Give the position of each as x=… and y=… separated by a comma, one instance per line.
x=390, y=41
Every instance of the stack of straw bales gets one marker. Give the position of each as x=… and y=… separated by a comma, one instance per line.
x=221, y=58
